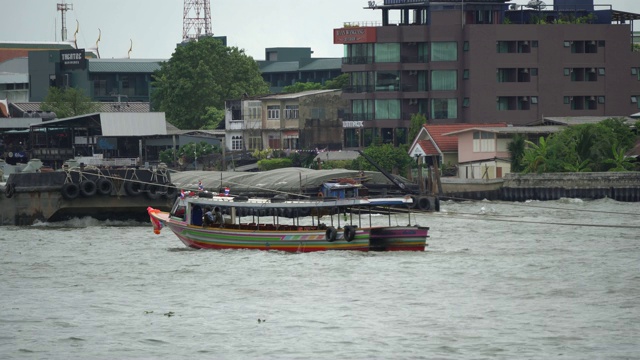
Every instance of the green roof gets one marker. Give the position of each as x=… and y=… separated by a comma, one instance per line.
x=124, y=65
x=323, y=64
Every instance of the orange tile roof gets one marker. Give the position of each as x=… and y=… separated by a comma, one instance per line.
x=448, y=143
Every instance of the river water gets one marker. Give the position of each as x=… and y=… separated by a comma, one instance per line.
x=535, y=280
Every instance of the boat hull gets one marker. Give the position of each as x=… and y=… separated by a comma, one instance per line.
x=303, y=239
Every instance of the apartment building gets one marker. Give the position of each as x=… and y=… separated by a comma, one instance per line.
x=486, y=61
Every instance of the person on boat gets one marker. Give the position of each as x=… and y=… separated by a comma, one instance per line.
x=200, y=186
x=218, y=219
x=209, y=218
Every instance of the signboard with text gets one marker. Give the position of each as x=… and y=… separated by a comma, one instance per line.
x=354, y=35
x=72, y=59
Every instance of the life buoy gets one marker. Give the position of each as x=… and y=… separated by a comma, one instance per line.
x=70, y=191
x=152, y=191
x=104, y=186
x=349, y=233
x=424, y=204
x=331, y=234
x=88, y=188
x=9, y=190
x=133, y=188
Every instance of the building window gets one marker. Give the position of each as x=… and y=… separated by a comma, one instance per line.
x=600, y=99
x=318, y=113
x=255, y=142
x=236, y=143
x=465, y=74
x=423, y=52
x=513, y=75
x=362, y=110
x=254, y=110
x=444, y=51
x=273, y=112
x=582, y=74
x=465, y=46
x=505, y=103
x=387, y=80
x=444, y=79
x=388, y=109
x=534, y=99
x=506, y=47
x=601, y=71
x=582, y=47
x=444, y=108
x=387, y=52
x=465, y=102
x=358, y=53
x=291, y=112
x=534, y=71
x=483, y=141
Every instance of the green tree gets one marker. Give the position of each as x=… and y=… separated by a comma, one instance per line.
x=339, y=82
x=68, y=102
x=417, y=121
x=536, y=156
x=619, y=162
x=392, y=159
x=201, y=75
x=516, y=150
x=301, y=86
x=188, y=153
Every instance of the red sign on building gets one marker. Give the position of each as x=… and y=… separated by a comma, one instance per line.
x=354, y=35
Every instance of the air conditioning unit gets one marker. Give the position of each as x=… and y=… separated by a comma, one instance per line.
x=413, y=72
x=413, y=101
x=525, y=98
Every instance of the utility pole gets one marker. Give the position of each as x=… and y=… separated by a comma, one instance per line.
x=63, y=8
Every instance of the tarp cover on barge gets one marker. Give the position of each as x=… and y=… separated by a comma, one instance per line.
x=286, y=180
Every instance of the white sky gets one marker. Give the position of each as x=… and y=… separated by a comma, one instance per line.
x=155, y=26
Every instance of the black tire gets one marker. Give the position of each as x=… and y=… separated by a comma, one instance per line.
x=437, y=205
x=349, y=233
x=104, y=186
x=70, y=191
x=153, y=191
x=171, y=191
x=133, y=188
x=414, y=204
x=331, y=234
x=88, y=188
x=9, y=190
x=424, y=204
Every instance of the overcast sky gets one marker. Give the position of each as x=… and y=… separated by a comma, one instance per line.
x=155, y=26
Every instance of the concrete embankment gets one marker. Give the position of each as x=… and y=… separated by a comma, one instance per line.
x=620, y=186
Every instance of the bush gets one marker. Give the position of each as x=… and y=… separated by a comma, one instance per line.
x=271, y=164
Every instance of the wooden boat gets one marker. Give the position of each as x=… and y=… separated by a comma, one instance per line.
x=292, y=225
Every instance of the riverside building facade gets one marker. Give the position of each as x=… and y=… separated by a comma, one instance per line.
x=485, y=61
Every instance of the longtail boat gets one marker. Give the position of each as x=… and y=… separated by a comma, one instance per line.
x=292, y=225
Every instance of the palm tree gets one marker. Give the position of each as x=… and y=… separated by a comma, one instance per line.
x=619, y=161
x=536, y=156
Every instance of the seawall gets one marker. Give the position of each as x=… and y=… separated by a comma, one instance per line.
x=620, y=186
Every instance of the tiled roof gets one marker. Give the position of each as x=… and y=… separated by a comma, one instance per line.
x=449, y=143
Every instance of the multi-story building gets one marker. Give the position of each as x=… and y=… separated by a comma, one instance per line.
x=486, y=61
x=304, y=120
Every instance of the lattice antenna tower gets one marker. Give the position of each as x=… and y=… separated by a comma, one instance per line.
x=63, y=8
x=196, y=20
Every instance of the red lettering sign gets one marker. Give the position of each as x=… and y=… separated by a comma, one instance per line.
x=354, y=35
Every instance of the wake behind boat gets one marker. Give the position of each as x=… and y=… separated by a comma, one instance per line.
x=274, y=224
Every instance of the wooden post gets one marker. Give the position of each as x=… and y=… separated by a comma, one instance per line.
x=437, y=174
